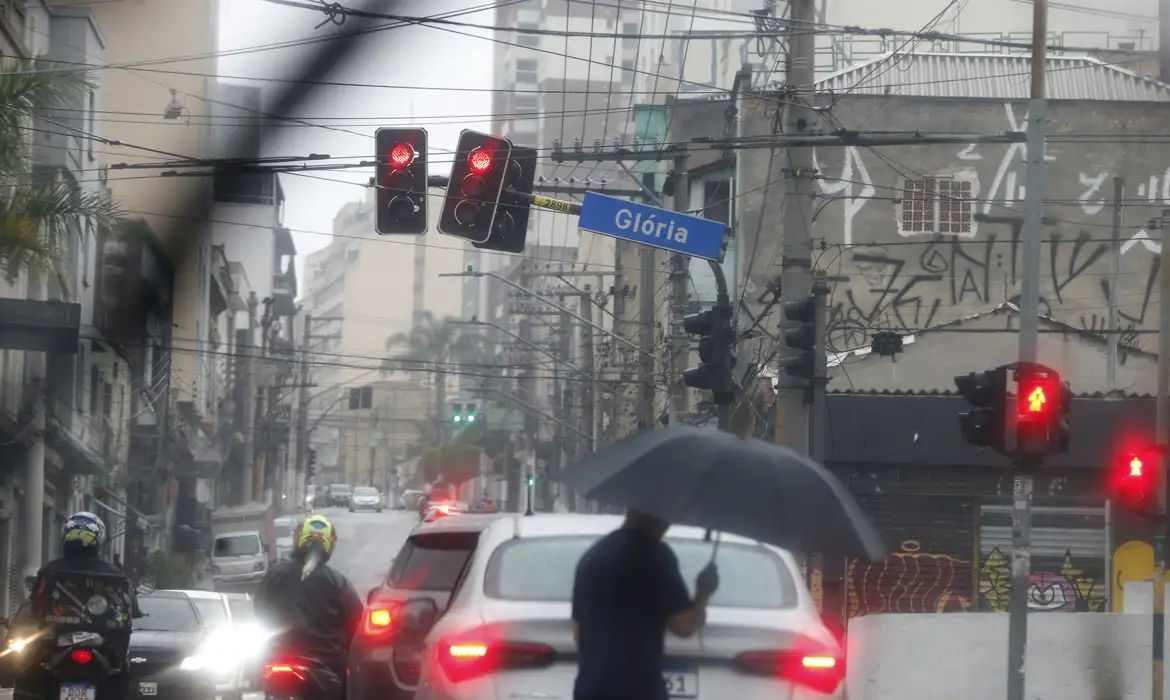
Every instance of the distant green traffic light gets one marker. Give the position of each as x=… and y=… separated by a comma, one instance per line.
x=531, y=480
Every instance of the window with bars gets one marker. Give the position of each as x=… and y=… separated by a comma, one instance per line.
x=936, y=205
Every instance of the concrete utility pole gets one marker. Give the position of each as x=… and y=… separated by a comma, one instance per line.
x=587, y=343
x=1029, y=338
x=263, y=402
x=679, y=303
x=250, y=411
x=1163, y=437
x=796, y=248
x=1114, y=337
x=564, y=349
x=647, y=285
x=620, y=326
x=527, y=391
x=302, y=450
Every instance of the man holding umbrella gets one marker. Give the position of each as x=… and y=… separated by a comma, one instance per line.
x=627, y=593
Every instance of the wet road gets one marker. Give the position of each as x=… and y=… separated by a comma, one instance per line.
x=367, y=543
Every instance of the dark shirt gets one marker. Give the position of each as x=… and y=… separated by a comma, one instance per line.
x=318, y=616
x=626, y=587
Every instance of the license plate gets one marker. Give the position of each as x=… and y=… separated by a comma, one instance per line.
x=78, y=691
x=681, y=684
x=147, y=688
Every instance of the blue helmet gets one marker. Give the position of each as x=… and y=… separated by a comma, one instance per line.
x=83, y=532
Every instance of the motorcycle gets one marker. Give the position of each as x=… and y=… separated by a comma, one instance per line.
x=80, y=665
x=298, y=678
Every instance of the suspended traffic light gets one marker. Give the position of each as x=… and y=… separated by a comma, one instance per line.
x=457, y=413
x=471, y=413
x=478, y=172
x=401, y=181
x=510, y=226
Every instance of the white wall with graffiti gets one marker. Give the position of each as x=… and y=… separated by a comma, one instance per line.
x=917, y=236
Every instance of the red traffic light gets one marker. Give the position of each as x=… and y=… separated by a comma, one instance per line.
x=401, y=156
x=1136, y=467
x=1035, y=399
x=479, y=161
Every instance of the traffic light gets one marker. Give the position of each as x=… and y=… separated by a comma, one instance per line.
x=456, y=413
x=1134, y=482
x=311, y=468
x=983, y=426
x=716, y=354
x=801, y=337
x=471, y=413
x=510, y=228
x=473, y=193
x=401, y=181
x=1043, y=402
x=531, y=480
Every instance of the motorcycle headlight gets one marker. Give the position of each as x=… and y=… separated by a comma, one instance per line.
x=16, y=646
x=97, y=605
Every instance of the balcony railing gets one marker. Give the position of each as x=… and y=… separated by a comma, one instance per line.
x=285, y=285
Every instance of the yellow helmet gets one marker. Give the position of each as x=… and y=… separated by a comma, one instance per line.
x=315, y=529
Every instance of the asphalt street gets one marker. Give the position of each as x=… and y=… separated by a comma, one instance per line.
x=367, y=543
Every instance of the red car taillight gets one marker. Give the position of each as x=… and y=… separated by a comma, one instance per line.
x=379, y=619
x=284, y=678
x=465, y=660
x=822, y=673
x=81, y=656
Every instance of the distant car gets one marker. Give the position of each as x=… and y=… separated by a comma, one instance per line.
x=365, y=498
x=228, y=653
x=339, y=495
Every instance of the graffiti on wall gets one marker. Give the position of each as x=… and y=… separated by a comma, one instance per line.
x=969, y=256
x=910, y=581
x=1068, y=589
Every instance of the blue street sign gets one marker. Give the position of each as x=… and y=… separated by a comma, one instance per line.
x=660, y=228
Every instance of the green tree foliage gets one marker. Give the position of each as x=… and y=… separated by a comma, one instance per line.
x=38, y=213
x=454, y=464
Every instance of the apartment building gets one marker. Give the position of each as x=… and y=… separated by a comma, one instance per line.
x=362, y=290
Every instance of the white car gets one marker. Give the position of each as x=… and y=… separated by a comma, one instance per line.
x=285, y=526
x=507, y=632
x=365, y=498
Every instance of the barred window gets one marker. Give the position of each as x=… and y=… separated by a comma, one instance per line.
x=936, y=205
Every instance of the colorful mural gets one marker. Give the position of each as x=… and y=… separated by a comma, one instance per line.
x=910, y=581
x=1069, y=589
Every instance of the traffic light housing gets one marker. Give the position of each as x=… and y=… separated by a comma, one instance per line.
x=801, y=337
x=716, y=353
x=510, y=226
x=478, y=172
x=1134, y=481
x=986, y=392
x=311, y=467
x=401, y=181
x=1042, y=405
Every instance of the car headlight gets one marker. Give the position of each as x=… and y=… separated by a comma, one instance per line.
x=193, y=663
x=97, y=605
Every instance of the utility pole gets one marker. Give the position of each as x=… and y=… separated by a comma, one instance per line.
x=590, y=364
x=620, y=326
x=647, y=284
x=1113, y=326
x=796, y=247
x=302, y=449
x=1163, y=437
x=1029, y=340
x=250, y=411
x=527, y=392
x=563, y=349
x=679, y=302
x=373, y=440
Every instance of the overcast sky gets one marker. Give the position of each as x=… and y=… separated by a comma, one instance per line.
x=457, y=64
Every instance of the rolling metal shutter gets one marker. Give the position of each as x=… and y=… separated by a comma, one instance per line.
x=1069, y=558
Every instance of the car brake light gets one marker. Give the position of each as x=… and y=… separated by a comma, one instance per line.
x=463, y=661
x=379, y=619
x=822, y=673
x=81, y=656
x=284, y=678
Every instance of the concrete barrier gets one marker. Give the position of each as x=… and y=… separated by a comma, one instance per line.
x=1071, y=656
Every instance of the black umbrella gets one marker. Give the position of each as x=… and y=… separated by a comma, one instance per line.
x=722, y=482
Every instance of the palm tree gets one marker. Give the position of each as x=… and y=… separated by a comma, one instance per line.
x=432, y=345
x=36, y=213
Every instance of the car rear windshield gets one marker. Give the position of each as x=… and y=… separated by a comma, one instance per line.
x=167, y=615
x=237, y=546
x=284, y=531
x=543, y=568
x=365, y=491
x=212, y=611
x=339, y=488
x=242, y=610
x=432, y=561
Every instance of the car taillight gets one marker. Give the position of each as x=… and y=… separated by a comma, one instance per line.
x=820, y=672
x=465, y=660
x=284, y=678
x=81, y=656
x=379, y=618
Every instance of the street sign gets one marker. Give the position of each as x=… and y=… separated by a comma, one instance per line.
x=660, y=228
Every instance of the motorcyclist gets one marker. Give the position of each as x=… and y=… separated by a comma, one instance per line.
x=82, y=537
x=313, y=609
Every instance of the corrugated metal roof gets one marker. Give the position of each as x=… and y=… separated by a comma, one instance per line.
x=992, y=76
